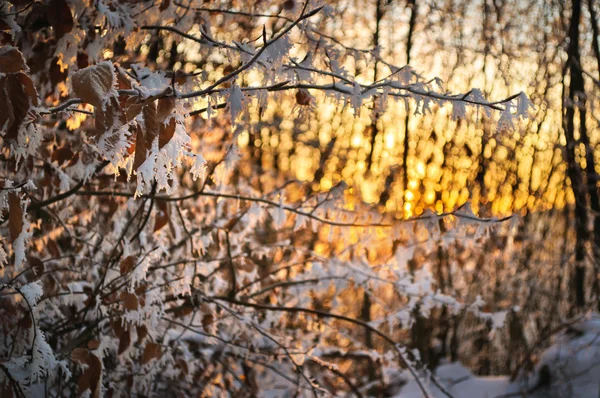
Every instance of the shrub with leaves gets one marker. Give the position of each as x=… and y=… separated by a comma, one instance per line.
x=141, y=251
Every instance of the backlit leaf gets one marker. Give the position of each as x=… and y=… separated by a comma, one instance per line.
x=94, y=83
x=11, y=60
x=15, y=217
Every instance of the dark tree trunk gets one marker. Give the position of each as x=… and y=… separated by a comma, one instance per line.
x=409, y=42
x=593, y=178
x=576, y=101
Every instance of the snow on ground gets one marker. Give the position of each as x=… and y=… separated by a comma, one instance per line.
x=570, y=368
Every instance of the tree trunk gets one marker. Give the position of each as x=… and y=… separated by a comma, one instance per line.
x=593, y=178
x=576, y=101
x=409, y=41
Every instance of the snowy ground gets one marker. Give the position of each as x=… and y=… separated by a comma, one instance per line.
x=570, y=368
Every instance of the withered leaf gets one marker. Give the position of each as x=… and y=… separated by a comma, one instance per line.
x=151, y=351
x=117, y=327
x=53, y=248
x=124, y=341
x=62, y=154
x=207, y=320
x=56, y=74
x=15, y=216
x=80, y=355
x=164, y=108
x=17, y=96
x=289, y=5
x=166, y=132
x=83, y=60
x=131, y=301
x=93, y=344
x=303, y=97
x=131, y=107
x=94, y=83
x=122, y=79
x=25, y=322
x=182, y=364
x=161, y=221
x=11, y=60
x=164, y=4
x=90, y=378
x=151, y=122
x=141, y=289
x=141, y=152
x=36, y=267
x=106, y=118
x=146, y=135
x=127, y=264
x=142, y=332
x=60, y=17
x=133, y=129
x=37, y=17
x=6, y=390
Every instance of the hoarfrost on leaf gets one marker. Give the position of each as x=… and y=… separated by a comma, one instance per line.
x=235, y=100
x=524, y=105
x=32, y=292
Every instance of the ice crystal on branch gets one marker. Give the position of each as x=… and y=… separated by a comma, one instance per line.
x=151, y=248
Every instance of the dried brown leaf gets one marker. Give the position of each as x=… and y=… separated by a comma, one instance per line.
x=164, y=4
x=303, y=97
x=90, y=378
x=15, y=216
x=289, y=5
x=142, y=332
x=151, y=122
x=183, y=366
x=93, y=344
x=166, y=132
x=62, y=154
x=131, y=301
x=80, y=355
x=151, y=351
x=127, y=264
x=161, y=221
x=133, y=129
x=131, y=106
x=83, y=60
x=6, y=390
x=17, y=96
x=60, y=17
x=57, y=74
x=164, y=108
x=124, y=341
x=146, y=135
x=117, y=327
x=53, y=248
x=207, y=320
x=141, y=152
x=37, y=268
x=25, y=322
x=11, y=60
x=94, y=83
x=122, y=79
x=108, y=118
